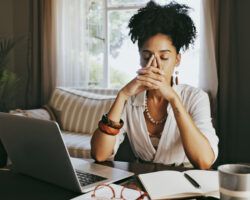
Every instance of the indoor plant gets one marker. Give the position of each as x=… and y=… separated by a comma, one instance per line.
x=8, y=79
x=8, y=83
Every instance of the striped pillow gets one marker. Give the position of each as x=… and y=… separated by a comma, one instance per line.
x=79, y=111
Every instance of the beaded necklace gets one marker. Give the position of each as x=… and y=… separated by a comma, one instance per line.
x=151, y=119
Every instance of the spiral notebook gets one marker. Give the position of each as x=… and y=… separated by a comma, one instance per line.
x=173, y=184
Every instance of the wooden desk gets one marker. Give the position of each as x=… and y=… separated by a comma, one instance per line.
x=17, y=186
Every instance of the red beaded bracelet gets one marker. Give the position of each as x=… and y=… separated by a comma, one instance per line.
x=107, y=129
x=110, y=123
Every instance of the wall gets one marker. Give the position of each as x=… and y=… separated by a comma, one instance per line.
x=6, y=16
x=6, y=21
x=19, y=18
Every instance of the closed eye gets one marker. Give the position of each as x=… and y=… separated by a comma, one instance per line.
x=146, y=58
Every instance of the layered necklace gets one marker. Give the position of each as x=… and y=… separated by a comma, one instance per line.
x=151, y=119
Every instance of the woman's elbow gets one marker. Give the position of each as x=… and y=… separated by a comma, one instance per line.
x=205, y=163
x=204, y=166
x=98, y=157
x=100, y=151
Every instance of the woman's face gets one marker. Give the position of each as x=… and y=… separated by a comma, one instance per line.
x=160, y=45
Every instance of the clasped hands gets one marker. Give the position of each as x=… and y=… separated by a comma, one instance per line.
x=150, y=77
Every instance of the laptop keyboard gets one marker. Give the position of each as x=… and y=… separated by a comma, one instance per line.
x=87, y=178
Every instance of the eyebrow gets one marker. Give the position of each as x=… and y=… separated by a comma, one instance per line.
x=162, y=51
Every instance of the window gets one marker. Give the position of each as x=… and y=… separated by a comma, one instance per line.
x=112, y=57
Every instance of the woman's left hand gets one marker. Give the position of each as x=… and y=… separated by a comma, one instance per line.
x=155, y=78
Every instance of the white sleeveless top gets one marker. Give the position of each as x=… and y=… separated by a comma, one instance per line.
x=169, y=147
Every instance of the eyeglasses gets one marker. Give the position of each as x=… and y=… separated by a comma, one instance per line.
x=107, y=192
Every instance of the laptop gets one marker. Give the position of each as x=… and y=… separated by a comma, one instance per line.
x=36, y=148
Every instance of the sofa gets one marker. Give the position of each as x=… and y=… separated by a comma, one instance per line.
x=77, y=112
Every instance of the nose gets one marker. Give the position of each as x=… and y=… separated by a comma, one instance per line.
x=154, y=63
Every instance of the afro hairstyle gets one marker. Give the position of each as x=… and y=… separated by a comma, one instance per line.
x=171, y=19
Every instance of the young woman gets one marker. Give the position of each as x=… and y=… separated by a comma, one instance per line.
x=165, y=122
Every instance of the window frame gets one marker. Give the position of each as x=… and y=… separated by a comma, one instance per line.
x=107, y=9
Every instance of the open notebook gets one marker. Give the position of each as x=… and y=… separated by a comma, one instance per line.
x=173, y=184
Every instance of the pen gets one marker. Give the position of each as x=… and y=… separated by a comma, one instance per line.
x=192, y=181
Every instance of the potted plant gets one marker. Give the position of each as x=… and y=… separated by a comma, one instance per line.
x=8, y=84
x=8, y=79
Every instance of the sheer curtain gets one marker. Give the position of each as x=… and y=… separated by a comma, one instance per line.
x=208, y=79
x=49, y=67
x=71, y=44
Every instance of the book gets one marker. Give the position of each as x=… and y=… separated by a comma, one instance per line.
x=170, y=184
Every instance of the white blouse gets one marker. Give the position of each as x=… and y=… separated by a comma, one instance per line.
x=170, y=149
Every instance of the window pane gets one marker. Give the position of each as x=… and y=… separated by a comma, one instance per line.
x=126, y=2
x=189, y=66
x=136, y=2
x=123, y=54
x=95, y=43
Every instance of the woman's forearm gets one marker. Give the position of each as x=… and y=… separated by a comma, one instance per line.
x=102, y=144
x=117, y=107
x=196, y=145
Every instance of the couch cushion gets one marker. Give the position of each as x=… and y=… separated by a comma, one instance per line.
x=79, y=111
x=40, y=113
x=77, y=145
x=103, y=91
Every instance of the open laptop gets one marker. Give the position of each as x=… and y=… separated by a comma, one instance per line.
x=36, y=148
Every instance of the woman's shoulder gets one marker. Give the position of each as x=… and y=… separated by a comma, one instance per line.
x=189, y=92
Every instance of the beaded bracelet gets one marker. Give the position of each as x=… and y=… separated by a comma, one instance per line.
x=109, y=122
x=107, y=129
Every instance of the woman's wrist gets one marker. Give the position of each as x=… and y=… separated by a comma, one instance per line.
x=116, y=110
x=173, y=98
x=122, y=95
x=168, y=93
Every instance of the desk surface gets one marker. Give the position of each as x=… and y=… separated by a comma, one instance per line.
x=17, y=186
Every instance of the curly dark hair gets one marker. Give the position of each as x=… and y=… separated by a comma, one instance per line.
x=171, y=19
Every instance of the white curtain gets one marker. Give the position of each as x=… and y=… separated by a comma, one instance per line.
x=71, y=31
x=208, y=79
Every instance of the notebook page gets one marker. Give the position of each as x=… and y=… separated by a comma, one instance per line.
x=167, y=183
x=208, y=180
